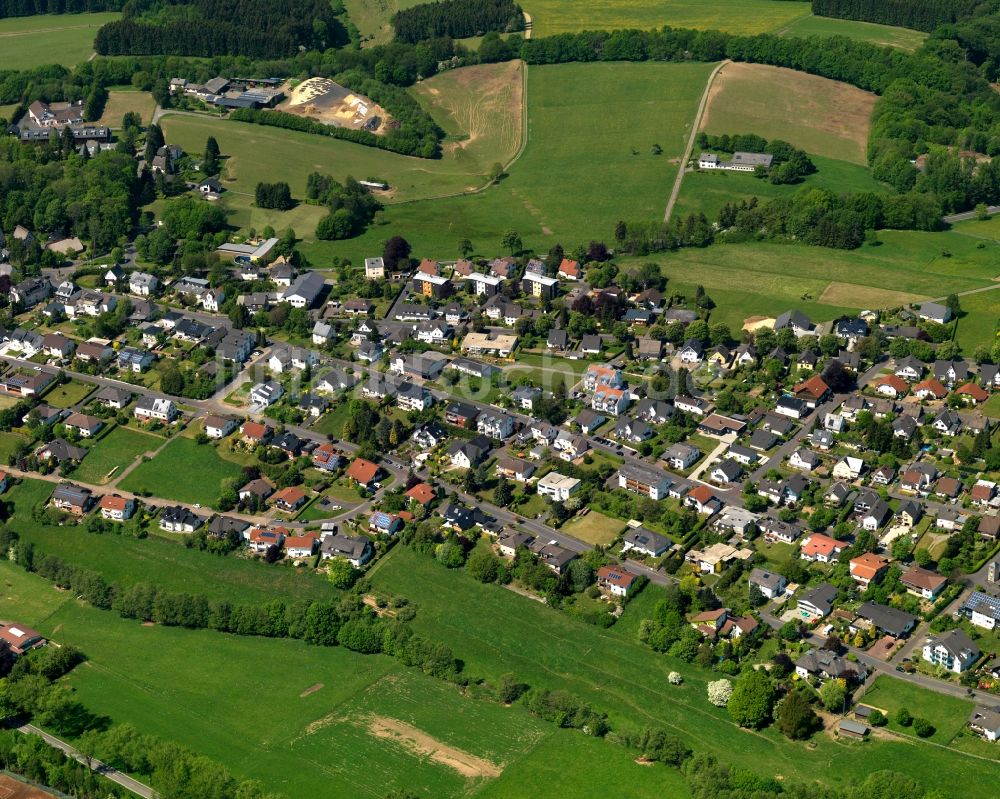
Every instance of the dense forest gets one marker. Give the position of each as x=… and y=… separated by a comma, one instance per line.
x=29, y=8
x=921, y=15
x=50, y=188
x=458, y=19
x=252, y=28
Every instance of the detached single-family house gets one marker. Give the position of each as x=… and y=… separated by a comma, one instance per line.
x=953, y=650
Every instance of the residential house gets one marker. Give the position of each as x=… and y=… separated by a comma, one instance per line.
x=255, y=433
x=113, y=397
x=289, y=499
x=981, y=609
x=821, y=548
x=825, y=665
x=72, y=498
x=891, y=621
x=557, y=486
x=770, y=584
x=702, y=500
x=616, y=580
x=817, y=602
x=804, y=459
x=923, y=582
x=266, y=393
x=848, y=468
x=305, y=290
x=495, y=424
x=84, y=425
x=155, y=408
x=116, y=508
x=644, y=542
x=515, y=469
x=643, y=480
x=219, y=426
x=985, y=721
x=868, y=568
x=952, y=650
x=934, y=312
x=178, y=519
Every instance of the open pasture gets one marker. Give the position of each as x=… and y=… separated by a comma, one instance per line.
x=120, y=102
x=821, y=116
x=765, y=278
x=734, y=16
x=887, y=35
x=66, y=39
x=594, y=528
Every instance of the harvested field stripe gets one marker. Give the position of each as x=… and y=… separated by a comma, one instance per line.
x=420, y=743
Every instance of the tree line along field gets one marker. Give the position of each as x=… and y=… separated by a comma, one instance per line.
x=27, y=42
x=588, y=161
x=904, y=38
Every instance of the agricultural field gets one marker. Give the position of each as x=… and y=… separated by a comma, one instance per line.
x=903, y=38
x=26, y=597
x=707, y=191
x=128, y=560
x=736, y=16
x=27, y=42
x=479, y=108
x=121, y=101
x=118, y=448
x=824, y=283
x=821, y=116
x=496, y=631
x=588, y=162
x=168, y=475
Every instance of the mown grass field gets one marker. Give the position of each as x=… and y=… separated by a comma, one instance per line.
x=946, y=713
x=121, y=101
x=594, y=528
x=823, y=117
x=736, y=16
x=588, y=162
x=184, y=471
x=69, y=394
x=707, y=191
x=118, y=448
x=764, y=279
x=497, y=631
x=171, y=565
x=65, y=39
x=8, y=443
x=904, y=38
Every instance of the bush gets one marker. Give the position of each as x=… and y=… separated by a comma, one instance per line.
x=923, y=728
x=903, y=717
x=877, y=718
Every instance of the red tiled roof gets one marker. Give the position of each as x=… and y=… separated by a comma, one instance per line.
x=978, y=393
x=933, y=385
x=422, y=493
x=254, y=430
x=362, y=471
x=814, y=388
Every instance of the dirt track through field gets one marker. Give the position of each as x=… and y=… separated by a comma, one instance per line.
x=420, y=743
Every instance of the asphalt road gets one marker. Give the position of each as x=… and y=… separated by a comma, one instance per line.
x=138, y=788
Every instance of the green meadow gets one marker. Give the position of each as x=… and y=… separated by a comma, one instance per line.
x=118, y=448
x=184, y=471
x=66, y=39
x=904, y=38
x=735, y=16
x=706, y=191
x=588, y=162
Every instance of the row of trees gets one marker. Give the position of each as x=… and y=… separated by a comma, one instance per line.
x=458, y=19
x=277, y=196
x=922, y=15
x=29, y=8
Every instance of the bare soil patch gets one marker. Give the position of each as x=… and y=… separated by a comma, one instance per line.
x=322, y=100
x=311, y=690
x=420, y=743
